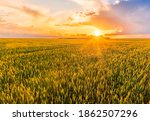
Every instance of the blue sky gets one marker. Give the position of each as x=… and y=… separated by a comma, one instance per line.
x=135, y=12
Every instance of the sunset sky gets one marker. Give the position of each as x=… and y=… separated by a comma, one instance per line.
x=42, y=18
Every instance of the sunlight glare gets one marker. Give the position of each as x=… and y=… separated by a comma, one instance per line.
x=97, y=33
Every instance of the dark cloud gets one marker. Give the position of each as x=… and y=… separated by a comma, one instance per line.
x=90, y=13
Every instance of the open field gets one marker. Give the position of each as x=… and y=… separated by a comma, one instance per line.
x=74, y=71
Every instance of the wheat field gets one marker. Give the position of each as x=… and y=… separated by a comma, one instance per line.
x=73, y=71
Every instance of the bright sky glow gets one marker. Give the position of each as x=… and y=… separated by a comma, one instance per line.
x=42, y=18
x=97, y=33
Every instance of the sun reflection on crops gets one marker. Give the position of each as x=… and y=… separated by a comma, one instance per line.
x=95, y=46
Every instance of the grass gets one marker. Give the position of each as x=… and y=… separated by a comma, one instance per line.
x=74, y=71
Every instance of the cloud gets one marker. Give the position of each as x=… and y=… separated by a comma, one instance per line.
x=90, y=13
x=116, y=2
x=98, y=13
x=2, y=21
x=97, y=5
x=15, y=30
x=80, y=17
x=31, y=11
x=107, y=20
x=92, y=5
x=26, y=9
x=23, y=19
x=135, y=13
x=123, y=16
x=104, y=19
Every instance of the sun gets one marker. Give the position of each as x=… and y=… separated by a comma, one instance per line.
x=97, y=33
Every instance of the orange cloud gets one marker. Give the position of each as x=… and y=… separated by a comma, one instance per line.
x=31, y=11
x=2, y=21
x=95, y=5
x=107, y=20
x=101, y=15
x=26, y=9
x=85, y=16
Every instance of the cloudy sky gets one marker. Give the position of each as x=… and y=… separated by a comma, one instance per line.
x=40, y=18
